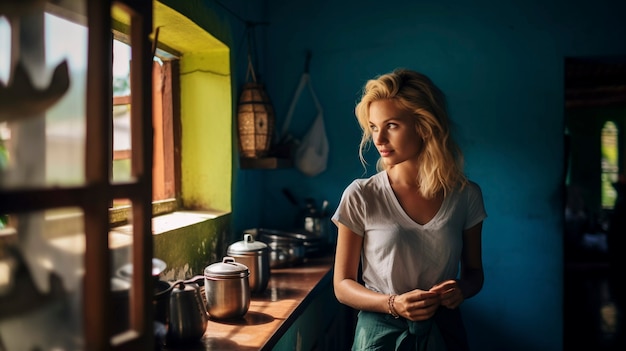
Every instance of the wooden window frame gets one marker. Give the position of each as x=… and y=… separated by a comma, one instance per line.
x=166, y=147
x=98, y=191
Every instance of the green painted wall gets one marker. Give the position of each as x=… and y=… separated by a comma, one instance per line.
x=190, y=249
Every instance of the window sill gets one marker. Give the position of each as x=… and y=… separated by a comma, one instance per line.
x=174, y=221
x=65, y=231
x=186, y=240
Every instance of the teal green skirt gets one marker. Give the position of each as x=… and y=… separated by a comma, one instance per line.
x=380, y=331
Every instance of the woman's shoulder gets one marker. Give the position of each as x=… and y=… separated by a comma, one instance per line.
x=471, y=191
x=372, y=183
x=468, y=188
x=472, y=185
x=376, y=180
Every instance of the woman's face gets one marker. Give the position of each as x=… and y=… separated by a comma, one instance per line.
x=394, y=132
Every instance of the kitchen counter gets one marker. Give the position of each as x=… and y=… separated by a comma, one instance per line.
x=272, y=312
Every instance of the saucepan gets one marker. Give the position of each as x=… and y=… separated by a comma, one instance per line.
x=287, y=248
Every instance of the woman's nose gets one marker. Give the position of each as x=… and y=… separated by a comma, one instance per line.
x=379, y=138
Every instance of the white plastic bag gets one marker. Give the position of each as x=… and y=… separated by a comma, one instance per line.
x=312, y=153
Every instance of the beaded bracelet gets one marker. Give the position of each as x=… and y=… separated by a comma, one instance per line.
x=392, y=310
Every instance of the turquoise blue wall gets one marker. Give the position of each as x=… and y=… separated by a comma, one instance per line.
x=501, y=64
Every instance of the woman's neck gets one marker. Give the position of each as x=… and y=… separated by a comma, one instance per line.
x=403, y=176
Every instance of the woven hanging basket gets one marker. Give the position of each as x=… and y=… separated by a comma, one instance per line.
x=255, y=119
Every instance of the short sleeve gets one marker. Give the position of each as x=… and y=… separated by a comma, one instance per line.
x=476, y=212
x=352, y=208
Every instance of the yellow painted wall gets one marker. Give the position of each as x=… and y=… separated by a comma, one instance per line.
x=206, y=108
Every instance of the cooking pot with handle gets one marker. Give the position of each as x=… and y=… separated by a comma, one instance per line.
x=256, y=256
x=188, y=317
x=227, y=289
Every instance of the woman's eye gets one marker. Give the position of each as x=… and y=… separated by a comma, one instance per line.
x=373, y=128
x=392, y=125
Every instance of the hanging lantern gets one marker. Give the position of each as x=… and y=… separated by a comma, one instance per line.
x=255, y=118
x=255, y=114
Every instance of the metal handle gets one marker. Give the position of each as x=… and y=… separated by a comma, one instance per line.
x=179, y=282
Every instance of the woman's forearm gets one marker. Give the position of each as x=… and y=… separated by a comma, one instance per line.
x=355, y=295
x=471, y=282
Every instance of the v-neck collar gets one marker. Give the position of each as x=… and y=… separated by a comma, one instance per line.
x=393, y=199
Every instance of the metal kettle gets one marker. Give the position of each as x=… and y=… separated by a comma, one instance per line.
x=188, y=316
x=314, y=219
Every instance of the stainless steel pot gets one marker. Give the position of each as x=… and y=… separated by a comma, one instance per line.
x=285, y=253
x=256, y=256
x=227, y=289
x=287, y=248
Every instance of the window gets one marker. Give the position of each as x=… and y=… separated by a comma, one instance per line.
x=65, y=134
x=201, y=107
x=164, y=97
x=192, y=174
x=57, y=143
x=610, y=168
x=69, y=154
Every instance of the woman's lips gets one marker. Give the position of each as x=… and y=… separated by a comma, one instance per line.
x=384, y=153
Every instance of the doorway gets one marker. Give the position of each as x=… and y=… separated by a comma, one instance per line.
x=595, y=155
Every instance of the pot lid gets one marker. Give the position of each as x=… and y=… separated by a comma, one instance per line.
x=119, y=284
x=228, y=268
x=278, y=236
x=126, y=271
x=181, y=286
x=294, y=235
x=247, y=245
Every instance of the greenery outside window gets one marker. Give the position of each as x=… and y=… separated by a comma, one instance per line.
x=610, y=167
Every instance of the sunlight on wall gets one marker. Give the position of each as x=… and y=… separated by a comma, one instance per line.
x=206, y=110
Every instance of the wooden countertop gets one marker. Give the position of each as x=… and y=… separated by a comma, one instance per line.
x=271, y=312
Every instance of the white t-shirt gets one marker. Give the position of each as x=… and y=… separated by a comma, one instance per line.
x=398, y=254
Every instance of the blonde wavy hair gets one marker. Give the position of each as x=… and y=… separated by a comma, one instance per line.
x=441, y=160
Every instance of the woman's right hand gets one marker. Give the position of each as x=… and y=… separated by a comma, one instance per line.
x=417, y=305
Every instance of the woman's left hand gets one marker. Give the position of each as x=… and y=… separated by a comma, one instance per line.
x=449, y=293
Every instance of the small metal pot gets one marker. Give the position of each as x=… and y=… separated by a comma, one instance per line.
x=286, y=253
x=227, y=289
x=187, y=313
x=160, y=300
x=120, y=286
x=286, y=248
x=255, y=255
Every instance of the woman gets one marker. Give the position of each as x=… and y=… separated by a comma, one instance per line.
x=414, y=228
